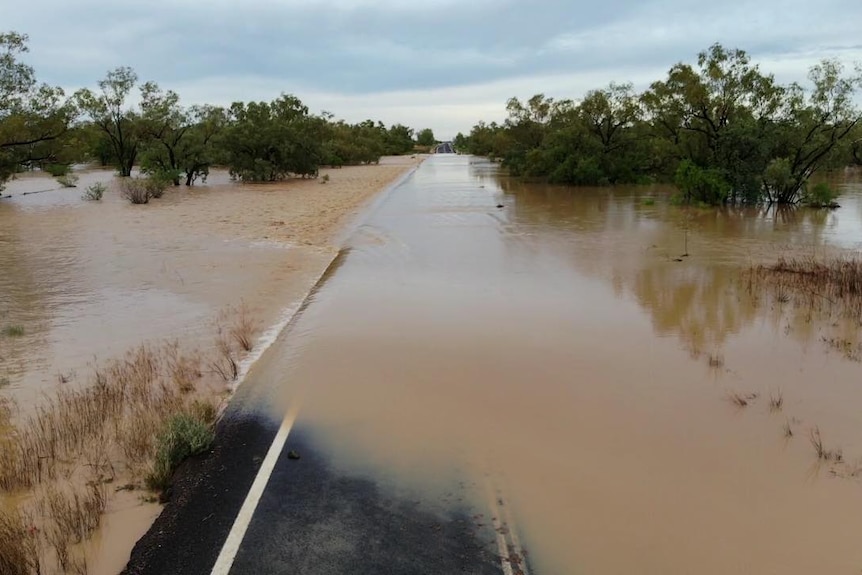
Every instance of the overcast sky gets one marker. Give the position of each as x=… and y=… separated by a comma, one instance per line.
x=442, y=64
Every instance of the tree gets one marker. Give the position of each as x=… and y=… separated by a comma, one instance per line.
x=398, y=140
x=461, y=142
x=426, y=137
x=109, y=112
x=199, y=148
x=34, y=118
x=269, y=141
x=164, y=123
x=610, y=115
x=811, y=129
x=718, y=116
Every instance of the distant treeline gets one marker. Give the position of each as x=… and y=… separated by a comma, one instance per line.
x=40, y=126
x=722, y=130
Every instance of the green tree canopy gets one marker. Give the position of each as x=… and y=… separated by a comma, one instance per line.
x=33, y=117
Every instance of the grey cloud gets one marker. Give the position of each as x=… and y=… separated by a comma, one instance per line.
x=360, y=48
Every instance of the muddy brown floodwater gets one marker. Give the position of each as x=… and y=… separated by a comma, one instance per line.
x=565, y=351
x=83, y=282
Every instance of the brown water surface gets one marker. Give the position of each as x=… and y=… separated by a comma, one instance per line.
x=556, y=350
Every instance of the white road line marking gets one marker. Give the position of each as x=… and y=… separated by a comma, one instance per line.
x=513, y=535
x=502, y=545
x=243, y=519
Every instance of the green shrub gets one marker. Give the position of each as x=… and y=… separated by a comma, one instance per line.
x=159, y=182
x=820, y=196
x=57, y=170
x=95, y=192
x=68, y=180
x=183, y=436
x=699, y=185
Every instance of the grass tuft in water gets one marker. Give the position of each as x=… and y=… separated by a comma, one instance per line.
x=14, y=331
x=776, y=401
x=19, y=546
x=823, y=454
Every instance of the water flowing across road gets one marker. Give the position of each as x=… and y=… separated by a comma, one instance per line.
x=543, y=362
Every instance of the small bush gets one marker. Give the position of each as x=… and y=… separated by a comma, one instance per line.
x=157, y=184
x=95, y=192
x=135, y=190
x=324, y=178
x=67, y=180
x=183, y=436
x=821, y=196
x=57, y=170
x=142, y=190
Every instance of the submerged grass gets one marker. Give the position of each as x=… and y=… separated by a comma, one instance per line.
x=776, y=401
x=14, y=331
x=740, y=400
x=19, y=545
x=138, y=418
x=834, y=282
x=823, y=454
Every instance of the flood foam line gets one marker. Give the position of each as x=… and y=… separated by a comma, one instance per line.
x=243, y=519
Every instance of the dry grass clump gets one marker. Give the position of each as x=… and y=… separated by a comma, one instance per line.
x=138, y=419
x=45, y=537
x=832, y=281
x=244, y=328
x=842, y=276
x=141, y=190
x=236, y=331
x=823, y=454
x=19, y=545
x=741, y=400
x=71, y=515
x=776, y=401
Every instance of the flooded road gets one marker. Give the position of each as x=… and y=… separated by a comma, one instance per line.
x=85, y=282
x=574, y=351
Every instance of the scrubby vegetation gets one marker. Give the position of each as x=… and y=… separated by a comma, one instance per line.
x=722, y=130
x=127, y=124
x=68, y=181
x=133, y=423
x=95, y=192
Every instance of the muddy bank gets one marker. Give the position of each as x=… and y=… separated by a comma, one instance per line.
x=86, y=281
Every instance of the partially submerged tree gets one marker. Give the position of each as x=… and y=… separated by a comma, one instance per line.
x=164, y=123
x=722, y=127
x=111, y=113
x=33, y=117
x=811, y=129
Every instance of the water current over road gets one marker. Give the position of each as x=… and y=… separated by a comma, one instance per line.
x=545, y=346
